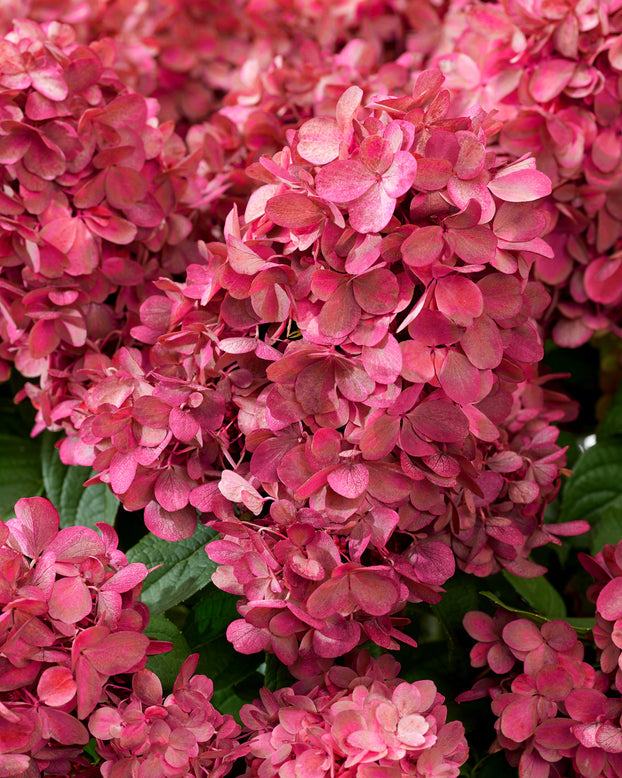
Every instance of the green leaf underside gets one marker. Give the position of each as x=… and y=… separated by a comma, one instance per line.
x=183, y=568
x=76, y=504
x=20, y=471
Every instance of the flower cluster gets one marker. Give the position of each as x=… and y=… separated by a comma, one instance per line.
x=70, y=625
x=555, y=712
x=95, y=204
x=553, y=71
x=182, y=735
x=360, y=721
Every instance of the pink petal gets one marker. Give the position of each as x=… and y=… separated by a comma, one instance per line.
x=117, y=653
x=482, y=343
x=609, y=602
x=519, y=186
x=49, y=82
x=374, y=594
x=349, y=480
x=56, y=686
x=293, y=210
x=522, y=635
x=423, y=247
x=70, y=601
x=433, y=561
x=376, y=291
x=520, y=718
x=432, y=174
x=400, y=176
x=170, y=525
x=76, y=544
x=372, y=211
x=122, y=471
x=514, y=222
x=550, y=78
x=459, y=299
x=172, y=489
x=124, y=187
x=319, y=140
x=440, y=420
x=343, y=181
x=460, y=380
x=35, y=525
x=471, y=157
x=475, y=245
x=480, y=626
x=340, y=314
x=379, y=437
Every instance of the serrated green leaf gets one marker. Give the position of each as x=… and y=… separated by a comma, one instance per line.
x=184, y=568
x=166, y=666
x=211, y=615
x=596, y=484
x=538, y=593
x=20, y=471
x=76, y=504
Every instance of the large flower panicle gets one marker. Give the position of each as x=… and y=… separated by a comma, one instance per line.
x=70, y=626
x=359, y=722
x=552, y=72
x=179, y=735
x=555, y=712
x=95, y=204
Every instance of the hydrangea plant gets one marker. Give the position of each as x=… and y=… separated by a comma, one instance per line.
x=311, y=311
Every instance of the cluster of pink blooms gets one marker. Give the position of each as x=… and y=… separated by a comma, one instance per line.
x=181, y=735
x=288, y=265
x=359, y=721
x=70, y=624
x=557, y=716
x=342, y=378
x=552, y=71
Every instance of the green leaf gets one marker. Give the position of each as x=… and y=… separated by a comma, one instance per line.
x=211, y=615
x=538, y=593
x=20, y=471
x=277, y=674
x=166, y=666
x=612, y=423
x=535, y=617
x=75, y=503
x=183, y=569
x=608, y=530
x=595, y=488
x=460, y=596
x=582, y=626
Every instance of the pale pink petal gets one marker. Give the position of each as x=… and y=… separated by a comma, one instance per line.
x=372, y=211
x=398, y=179
x=519, y=186
x=343, y=181
x=319, y=140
